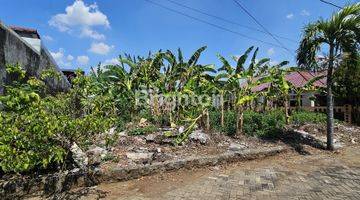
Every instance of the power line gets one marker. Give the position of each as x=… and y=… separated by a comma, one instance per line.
x=212, y=24
x=263, y=27
x=332, y=4
x=226, y=20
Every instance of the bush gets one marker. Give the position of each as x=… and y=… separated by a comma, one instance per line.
x=29, y=140
x=229, y=122
x=267, y=124
x=255, y=124
x=143, y=130
x=36, y=130
x=303, y=117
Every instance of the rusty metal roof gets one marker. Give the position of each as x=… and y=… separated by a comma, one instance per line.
x=298, y=79
x=24, y=30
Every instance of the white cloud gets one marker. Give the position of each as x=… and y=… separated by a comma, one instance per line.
x=70, y=58
x=270, y=52
x=87, y=32
x=305, y=13
x=290, y=16
x=83, y=60
x=59, y=58
x=47, y=37
x=113, y=61
x=100, y=48
x=80, y=18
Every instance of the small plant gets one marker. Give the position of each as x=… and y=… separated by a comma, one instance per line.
x=143, y=130
x=267, y=124
x=303, y=117
x=36, y=130
x=229, y=127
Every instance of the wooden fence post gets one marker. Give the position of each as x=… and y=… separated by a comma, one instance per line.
x=347, y=113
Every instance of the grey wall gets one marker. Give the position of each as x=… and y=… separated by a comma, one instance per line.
x=13, y=49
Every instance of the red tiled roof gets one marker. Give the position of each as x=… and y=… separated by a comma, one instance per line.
x=24, y=30
x=298, y=79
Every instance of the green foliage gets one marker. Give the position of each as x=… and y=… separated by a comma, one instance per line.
x=39, y=127
x=143, y=130
x=229, y=122
x=267, y=124
x=36, y=130
x=303, y=117
x=255, y=123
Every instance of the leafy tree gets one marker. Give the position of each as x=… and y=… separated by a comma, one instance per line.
x=339, y=35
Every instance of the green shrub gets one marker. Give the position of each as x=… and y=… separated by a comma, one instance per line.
x=143, y=130
x=255, y=124
x=36, y=130
x=229, y=122
x=29, y=140
x=266, y=124
x=303, y=117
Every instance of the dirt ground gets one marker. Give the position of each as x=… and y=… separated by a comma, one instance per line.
x=302, y=159
x=154, y=187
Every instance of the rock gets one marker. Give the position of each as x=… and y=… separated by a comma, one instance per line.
x=143, y=157
x=181, y=129
x=111, y=131
x=79, y=156
x=167, y=141
x=158, y=150
x=96, y=154
x=122, y=134
x=167, y=129
x=353, y=141
x=338, y=145
x=139, y=139
x=303, y=134
x=237, y=147
x=140, y=150
x=199, y=136
x=150, y=138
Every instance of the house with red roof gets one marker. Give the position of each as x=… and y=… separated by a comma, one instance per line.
x=299, y=79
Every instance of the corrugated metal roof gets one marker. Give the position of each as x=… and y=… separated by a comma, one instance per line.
x=19, y=29
x=298, y=79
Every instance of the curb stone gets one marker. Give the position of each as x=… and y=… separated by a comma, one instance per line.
x=121, y=174
x=62, y=181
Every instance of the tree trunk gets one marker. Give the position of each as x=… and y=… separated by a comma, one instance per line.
x=207, y=121
x=222, y=109
x=150, y=99
x=298, y=101
x=286, y=107
x=265, y=104
x=330, y=102
x=239, y=121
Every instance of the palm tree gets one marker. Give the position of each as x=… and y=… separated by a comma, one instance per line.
x=340, y=34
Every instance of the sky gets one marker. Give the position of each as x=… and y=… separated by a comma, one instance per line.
x=81, y=34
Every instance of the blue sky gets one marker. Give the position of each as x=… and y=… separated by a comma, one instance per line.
x=84, y=33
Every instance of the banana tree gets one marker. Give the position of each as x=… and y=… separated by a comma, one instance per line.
x=280, y=86
x=183, y=77
x=241, y=80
